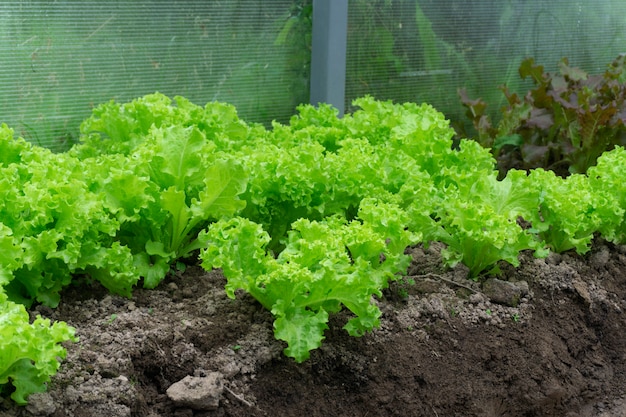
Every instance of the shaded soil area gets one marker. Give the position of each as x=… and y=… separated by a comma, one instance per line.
x=545, y=339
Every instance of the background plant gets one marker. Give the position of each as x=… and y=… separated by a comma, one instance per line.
x=425, y=50
x=563, y=124
x=60, y=60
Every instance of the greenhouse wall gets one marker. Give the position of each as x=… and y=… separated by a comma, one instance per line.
x=59, y=59
x=424, y=51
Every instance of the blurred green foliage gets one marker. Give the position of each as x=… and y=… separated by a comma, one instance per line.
x=425, y=50
x=60, y=59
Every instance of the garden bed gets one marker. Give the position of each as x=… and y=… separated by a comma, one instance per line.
x=444, y=347
x=202, y=261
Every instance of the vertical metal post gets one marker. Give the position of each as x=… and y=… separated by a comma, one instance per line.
x=328, y=55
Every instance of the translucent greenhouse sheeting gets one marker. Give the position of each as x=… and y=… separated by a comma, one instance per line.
x=60, y=59
x=425, y=50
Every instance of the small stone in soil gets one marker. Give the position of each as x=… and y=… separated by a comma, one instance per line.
x=199, y=393
x=505, y=292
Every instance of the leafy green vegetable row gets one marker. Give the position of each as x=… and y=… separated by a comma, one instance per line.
x=308, y=217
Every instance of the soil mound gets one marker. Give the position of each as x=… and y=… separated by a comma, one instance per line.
x=544, y=339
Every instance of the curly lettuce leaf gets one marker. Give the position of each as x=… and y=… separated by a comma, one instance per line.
x=480, y=220
x=325, y=265
x=119, y=128
x=569, y=212
x=29, y=353
x=10, y=255
x=55, y=220
x=170, y=186
x=608, y=190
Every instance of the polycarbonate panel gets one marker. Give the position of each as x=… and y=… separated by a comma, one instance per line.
x=425, y=50
x=58, y=59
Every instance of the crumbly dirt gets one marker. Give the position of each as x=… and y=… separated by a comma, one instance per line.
x=554, y=344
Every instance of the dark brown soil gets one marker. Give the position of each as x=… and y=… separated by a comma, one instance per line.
x=445, y=348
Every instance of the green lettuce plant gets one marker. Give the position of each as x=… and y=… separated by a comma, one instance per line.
x=29, y=352
x=570, y=212
x=162, y=174
x=607, y=183
x=480, y=222
x=325, y=265
x=58, y=225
